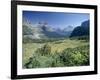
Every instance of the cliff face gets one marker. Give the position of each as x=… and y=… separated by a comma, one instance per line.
x=81, y=30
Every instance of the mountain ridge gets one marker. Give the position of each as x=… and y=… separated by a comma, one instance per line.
x=81, y=30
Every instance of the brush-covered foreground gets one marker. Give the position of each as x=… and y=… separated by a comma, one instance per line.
x=60, y=53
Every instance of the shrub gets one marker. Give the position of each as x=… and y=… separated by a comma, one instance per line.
x=33, y=62
x=45, y=50
x=43, y=57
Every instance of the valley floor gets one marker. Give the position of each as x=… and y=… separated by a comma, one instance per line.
x=56, y=47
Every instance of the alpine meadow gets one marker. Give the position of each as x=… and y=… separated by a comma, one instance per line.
x=55, y=39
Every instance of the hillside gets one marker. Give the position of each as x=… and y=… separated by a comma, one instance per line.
x=82, y=30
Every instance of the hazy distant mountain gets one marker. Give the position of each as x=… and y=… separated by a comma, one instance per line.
x=66, y=31
x=45, y=31
x=81, y=30
x=68, y=28
x=50, y=32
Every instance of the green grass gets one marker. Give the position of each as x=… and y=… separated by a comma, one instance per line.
x=57, y=47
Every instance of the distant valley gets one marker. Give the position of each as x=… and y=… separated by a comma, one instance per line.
x=41, y=31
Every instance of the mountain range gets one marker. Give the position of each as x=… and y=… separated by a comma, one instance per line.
x=45, y=31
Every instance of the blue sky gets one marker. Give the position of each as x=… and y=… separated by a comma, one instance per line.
x=56, y=19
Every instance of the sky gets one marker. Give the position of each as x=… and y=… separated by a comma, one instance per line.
x=56, y=19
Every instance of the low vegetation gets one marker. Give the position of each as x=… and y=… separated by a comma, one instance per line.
x=57, y=53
